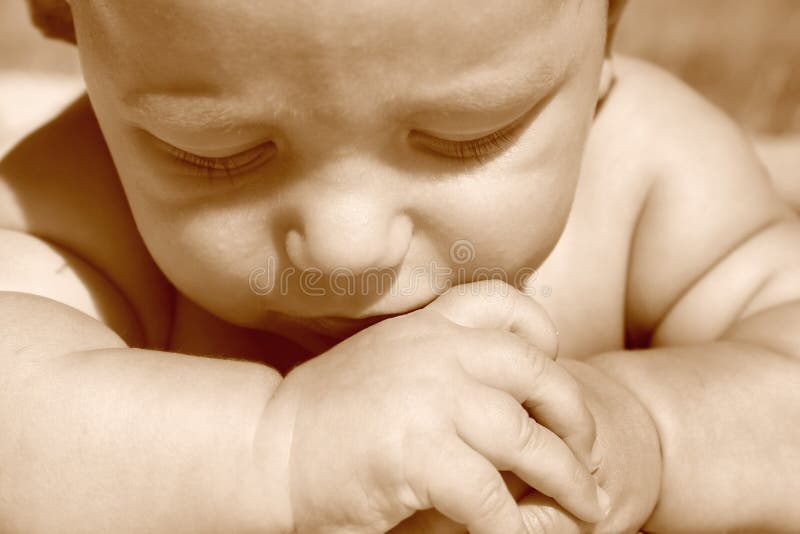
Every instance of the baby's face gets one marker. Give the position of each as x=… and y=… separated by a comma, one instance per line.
x=417, y=141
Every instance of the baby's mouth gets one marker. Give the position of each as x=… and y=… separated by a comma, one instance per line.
x=318, y=334
x=336, y=328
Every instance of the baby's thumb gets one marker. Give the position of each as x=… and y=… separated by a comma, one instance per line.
x=495, y=304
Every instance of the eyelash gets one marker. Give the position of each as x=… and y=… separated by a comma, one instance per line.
x=226, y=166
x=480, y=149
x=473, y=149
x=470, y=150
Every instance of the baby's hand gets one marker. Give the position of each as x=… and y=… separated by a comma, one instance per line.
x=422, y=411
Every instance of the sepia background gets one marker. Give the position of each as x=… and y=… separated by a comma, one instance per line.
x=744, y=55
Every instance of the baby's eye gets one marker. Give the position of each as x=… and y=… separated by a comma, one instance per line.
x=226, y=166
x=480, y=149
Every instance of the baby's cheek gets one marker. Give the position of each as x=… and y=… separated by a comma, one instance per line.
x=198, y=252
x=520, y=214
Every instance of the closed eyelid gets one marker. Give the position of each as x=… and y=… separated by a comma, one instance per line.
x=236, y=158
x=159, y=141
x=531, y=112
x=457, y=138
x=218, y=166
x=479, y=150
x=478, y=147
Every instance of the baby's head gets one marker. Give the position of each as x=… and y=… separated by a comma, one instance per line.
x=356, y=140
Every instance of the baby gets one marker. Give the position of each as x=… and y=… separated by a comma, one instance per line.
x=251, y=283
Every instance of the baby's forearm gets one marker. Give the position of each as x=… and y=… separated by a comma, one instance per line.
x=727, y=416
x=115, y=439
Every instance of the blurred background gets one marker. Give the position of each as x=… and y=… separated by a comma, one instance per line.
x=744, y=55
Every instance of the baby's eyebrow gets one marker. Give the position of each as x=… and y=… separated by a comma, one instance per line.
x=502, y=92
x=201, y=108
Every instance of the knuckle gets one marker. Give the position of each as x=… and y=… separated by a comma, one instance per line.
x=525, y=431
x=531, y=438
x=581, y=478
x=539, y=366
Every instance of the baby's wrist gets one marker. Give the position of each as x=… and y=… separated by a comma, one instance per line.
x=615, y=406
x=627, y=442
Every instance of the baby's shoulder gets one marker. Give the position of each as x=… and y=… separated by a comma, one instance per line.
x=65, y=216
x=705, y=192
x=661, y=122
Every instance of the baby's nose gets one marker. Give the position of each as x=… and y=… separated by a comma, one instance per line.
x=349, y=234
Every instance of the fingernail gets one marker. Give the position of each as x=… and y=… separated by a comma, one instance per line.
x=604, y=501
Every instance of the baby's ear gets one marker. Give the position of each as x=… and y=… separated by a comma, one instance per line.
x=53, y=18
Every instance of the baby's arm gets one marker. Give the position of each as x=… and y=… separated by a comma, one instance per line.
x=103, y=438
x=714, y=291
x=98, y=437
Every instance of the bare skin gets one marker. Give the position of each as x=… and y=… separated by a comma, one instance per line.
x=648, y=251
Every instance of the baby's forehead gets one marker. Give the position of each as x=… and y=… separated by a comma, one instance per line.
x=327, y=17
x=307, y=29
x=327, y=44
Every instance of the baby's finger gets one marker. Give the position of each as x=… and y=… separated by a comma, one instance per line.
x=499, y=428
x=546, y=389
x=542, y=515
x=464, y=486
x=497, y=305
x=433, y=522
